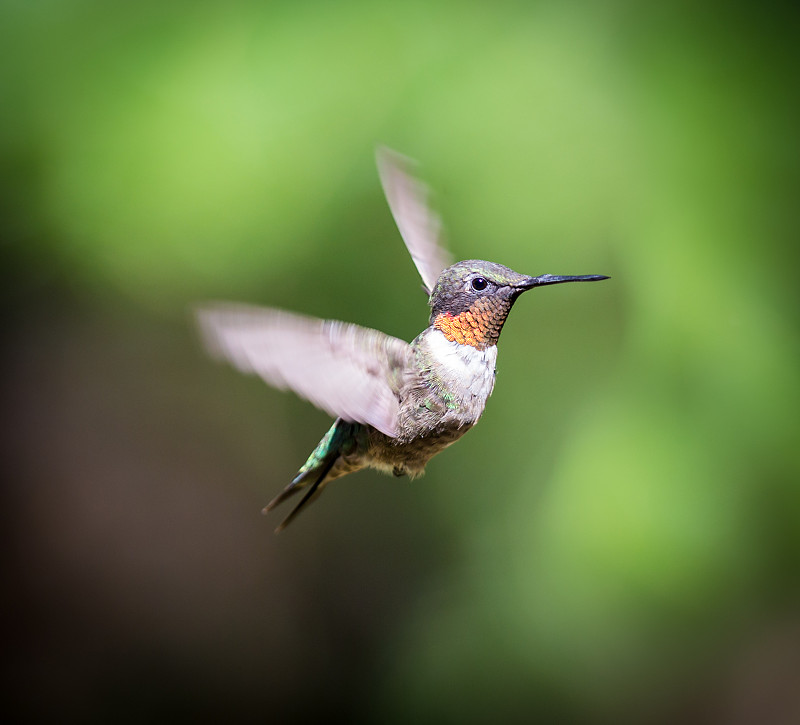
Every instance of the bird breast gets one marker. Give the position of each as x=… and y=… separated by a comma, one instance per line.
x=462, y=372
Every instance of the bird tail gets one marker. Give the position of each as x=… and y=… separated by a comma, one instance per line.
x=318, y=470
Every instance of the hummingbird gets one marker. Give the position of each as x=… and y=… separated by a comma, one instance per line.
x=396, y=404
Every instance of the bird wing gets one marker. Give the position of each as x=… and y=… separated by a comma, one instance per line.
x=419, y=226
x=346, y=370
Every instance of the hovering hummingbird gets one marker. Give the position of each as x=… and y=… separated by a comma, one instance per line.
x=396, y=404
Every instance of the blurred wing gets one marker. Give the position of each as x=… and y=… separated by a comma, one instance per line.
x=346, y=370
x=418, y=225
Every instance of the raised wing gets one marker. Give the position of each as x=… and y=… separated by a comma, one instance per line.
x=346, y=370
x=419, y=226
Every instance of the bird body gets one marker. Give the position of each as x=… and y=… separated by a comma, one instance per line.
x=396, y=404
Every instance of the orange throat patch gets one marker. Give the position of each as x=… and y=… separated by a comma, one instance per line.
x=478, y=327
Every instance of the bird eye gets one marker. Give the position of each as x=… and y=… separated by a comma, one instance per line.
x=479, y=284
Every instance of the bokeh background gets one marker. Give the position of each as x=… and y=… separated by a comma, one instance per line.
x=617, y=541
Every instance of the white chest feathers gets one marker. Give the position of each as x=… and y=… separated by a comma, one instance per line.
x=464, y=371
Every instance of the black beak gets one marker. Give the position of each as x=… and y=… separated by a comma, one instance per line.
x=544, y=279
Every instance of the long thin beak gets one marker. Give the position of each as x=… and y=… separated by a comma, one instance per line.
x=543, y=279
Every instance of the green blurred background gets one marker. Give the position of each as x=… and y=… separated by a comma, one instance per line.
x=617, y=541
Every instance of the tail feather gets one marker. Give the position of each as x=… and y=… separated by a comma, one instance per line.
x=297, y=484
x=315, y=473
x=313, y=492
